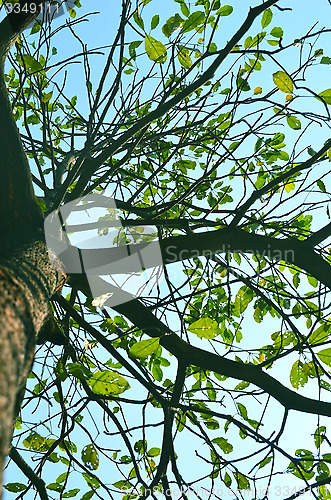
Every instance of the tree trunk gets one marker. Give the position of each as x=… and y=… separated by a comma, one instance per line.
x=27, y=281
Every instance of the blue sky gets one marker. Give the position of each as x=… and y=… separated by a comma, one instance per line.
x=99, y=32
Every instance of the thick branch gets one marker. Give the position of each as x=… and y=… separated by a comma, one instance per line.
x=179, y=248
x=145, y=320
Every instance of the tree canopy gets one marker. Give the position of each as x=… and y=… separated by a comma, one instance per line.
x=203, y=131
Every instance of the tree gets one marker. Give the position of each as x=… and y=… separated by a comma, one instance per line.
x=187, y=132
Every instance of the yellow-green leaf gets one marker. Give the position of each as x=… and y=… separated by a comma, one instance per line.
x=156, y=51
x=108, y=383
x=144, y=348
x=226, y=10
x=283, y=81
x=31, y=64
x=321, y=334
x=194, y=20
x=266, y=18
x=298, y=377
x=205, y=328
x=46, y=97
x=325, y=356
x=184, y=57
x=72, y=12
x=257, y=90
x=293, y=122
x=277, y=32
x=289, y=186
x=90, y=457
x=326, y=96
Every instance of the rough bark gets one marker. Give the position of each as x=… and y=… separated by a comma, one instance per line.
x=26, y=283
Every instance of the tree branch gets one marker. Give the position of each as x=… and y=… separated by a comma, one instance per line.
x=277, y=181
x=92, y=164
x=224, y=240
x=37, y=482
x=145, y=320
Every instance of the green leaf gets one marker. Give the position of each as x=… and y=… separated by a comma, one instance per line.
x=319, y=435
x=62, y=477
x=138, y=20
x=321, y=334
x=46, y=97
x=242, y=481
x=252, y=42
x=153, y=452
x=242, y=410
x=60, y=371
x=35, y=28
x=15, y=487
x=55, y=487
x=184, y=8
x=227, y=480
x=321, y=185
x=184, y=57
x=132, y=48
x=325, y=95
x=277, y=32
x=242, y=385
x=144, y=348
x=31, y=64
x=325, y=356
x=266, y=18
x=283, y=81
x=243, y=298
x=78, y=370
x=155, y=21
x=298, y=377
x=296, y=280
x=223, y=444
x=265, y=462
x=226, y=10
x=194, y=20
x=293, y=122
x=157, y=372
x=155, y=50
x=108, y=383
x=173, y=23
x=306, y=460
x=122, y=484
x=72, y=13
x=90, y=457
x=34, y=441
x=71, y=493
x=205, y=328
x=91, y=481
